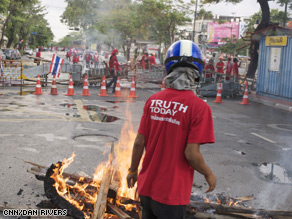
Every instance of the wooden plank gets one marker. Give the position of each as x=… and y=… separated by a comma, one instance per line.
x=66, y=175
x=121, y=214
x=101, y=201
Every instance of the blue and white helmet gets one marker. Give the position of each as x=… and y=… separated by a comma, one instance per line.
x=184, y=53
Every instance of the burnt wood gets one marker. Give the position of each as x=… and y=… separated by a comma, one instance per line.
x=52, y=194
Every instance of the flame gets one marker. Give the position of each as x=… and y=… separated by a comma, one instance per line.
x=122, y=160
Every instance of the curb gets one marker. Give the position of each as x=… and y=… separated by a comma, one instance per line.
x=269, y=103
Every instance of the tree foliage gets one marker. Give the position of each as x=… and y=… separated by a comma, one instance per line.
x=21, y=19
x=116, y=20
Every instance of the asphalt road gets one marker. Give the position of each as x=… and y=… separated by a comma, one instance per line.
x=46, y=129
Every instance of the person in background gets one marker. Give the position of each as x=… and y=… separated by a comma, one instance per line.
x=96, y=60
x=68, y=55
x=209, y=70
x=114, y=68
x=143, y=60
x=152, y=61
x=235, y=72
x=228, y=68
x=220, y=67
x=38, y=56
x=75, y=58
x=175, y=122
x=88, y=58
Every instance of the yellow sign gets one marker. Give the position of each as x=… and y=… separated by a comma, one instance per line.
x=276, y=41
x=93, y=47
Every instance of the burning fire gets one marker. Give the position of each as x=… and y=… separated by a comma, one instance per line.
x=89, y=191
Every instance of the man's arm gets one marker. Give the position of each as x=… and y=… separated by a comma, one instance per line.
x=196, y=160
x=137, y=153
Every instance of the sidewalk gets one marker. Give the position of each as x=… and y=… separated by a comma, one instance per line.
x=281, y=104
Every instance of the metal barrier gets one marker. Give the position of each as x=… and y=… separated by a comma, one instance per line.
x=15, y=72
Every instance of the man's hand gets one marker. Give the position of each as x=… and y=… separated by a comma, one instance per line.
x=131, y=180
x=211, y=180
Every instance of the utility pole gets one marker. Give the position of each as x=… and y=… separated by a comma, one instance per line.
x=195, y=18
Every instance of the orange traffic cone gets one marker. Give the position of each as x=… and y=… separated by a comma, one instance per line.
x=38, y=87
x=103, y=88
x=70, y=88
x=219, y=96
x=133, y=90
x=118, y=88
x=163, y=84
x=85, y=87
x=54, y=87
x=245, y=96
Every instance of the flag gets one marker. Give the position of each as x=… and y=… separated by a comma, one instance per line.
x=56, y=65
x=1, y=71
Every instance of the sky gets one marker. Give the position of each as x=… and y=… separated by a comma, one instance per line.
x=246, y=8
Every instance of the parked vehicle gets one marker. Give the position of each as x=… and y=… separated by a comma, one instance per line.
x=28, y=51
x=12, y=54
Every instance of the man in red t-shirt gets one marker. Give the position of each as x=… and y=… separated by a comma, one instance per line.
x=114, y=68
x=235, y=72
x=38, y=56
x=220, y=67
x=96, y=60
x=175, y=122
x=152, y=60
x=88, y=58
x=75, y=58
x=228, y=67
x=209, y=69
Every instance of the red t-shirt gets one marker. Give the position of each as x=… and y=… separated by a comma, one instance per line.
x=75, y=59
x=209, y=67
x=235, y=70
x=172, y=119
x=114, y=62
x=152, y=60
x=220, y=66
x=38, y=54
x=228, y=67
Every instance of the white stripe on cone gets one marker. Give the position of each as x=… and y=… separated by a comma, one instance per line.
x=71, y=87
x=85, y=87
x=54, y=86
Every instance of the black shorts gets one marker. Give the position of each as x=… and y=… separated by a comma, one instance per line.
x=156, y=210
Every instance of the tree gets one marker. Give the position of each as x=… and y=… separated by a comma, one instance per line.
x=22, y=18
x=265, y=22
x=286, y=4
x=162, y=18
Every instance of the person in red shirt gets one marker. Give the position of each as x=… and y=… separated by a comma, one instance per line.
x=88, y=58
x=96, y=60
x=220, y=67
x=235, y=72
x=75, y=58
x=175, y=122
x=209, y=69
x=38, y=55
x=114, y=68
x=68, y=55
x=152, y=61
x=143, y=60
x=228, y=68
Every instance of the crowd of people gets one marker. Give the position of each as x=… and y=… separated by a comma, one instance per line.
x=146, y=61
x=231, y=68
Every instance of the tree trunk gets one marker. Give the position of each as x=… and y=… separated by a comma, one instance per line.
x=254, y=47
